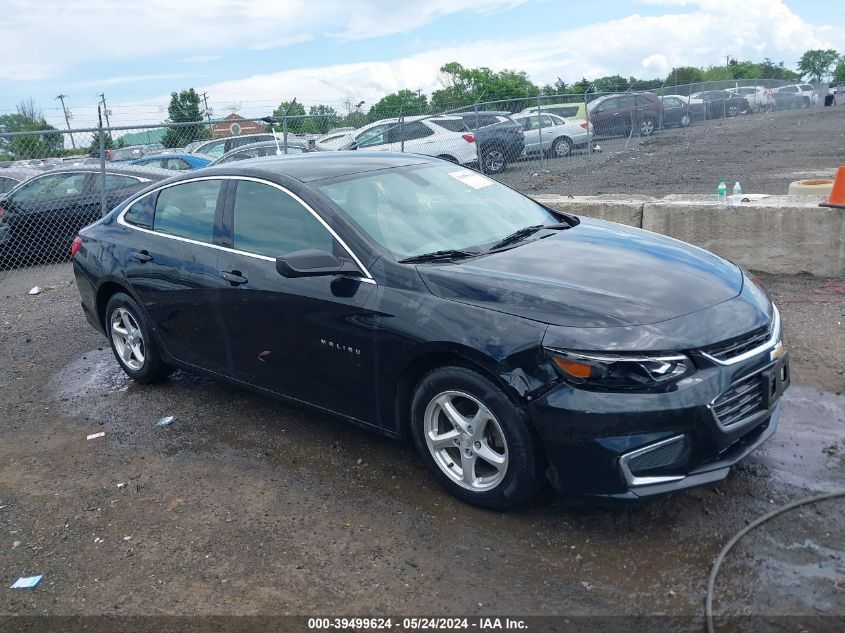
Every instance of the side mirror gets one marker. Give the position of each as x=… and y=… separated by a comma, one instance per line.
x=312, y=262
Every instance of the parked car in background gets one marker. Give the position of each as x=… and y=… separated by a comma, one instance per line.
x=219, y=146
x=789, y=98
x=11, y=177
x=335, y=140
x=576, y=110
x=263, y=148
x=510, y=343
x=552, y=134
x=176, y=161
x=805, y=93
x=681, y=111
x=40, y=217
x=130, y=153
x=624, y=114
x=759, y=99
x=499, y=138
x=418, y=135
x=721, y=103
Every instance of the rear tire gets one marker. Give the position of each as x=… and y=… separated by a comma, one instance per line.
x=494, y=160
x=646, y=126
x=131, y=340
x=686, y=120
x=475, y=440
x=562, y=147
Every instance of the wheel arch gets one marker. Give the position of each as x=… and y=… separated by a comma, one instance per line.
x=105, y=291
x=451, y=355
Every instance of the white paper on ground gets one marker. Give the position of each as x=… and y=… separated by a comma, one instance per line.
x=94, y=436
x=27, y=582
x=474, y=180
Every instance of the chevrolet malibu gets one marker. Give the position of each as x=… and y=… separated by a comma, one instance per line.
x=513, y=344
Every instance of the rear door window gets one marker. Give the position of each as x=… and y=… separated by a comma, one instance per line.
x=408, y=132
x=188, y=210
x=271, y=222
x=52, y=187
x=453, y=125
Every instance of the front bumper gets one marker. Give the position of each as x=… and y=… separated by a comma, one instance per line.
x=640, y=444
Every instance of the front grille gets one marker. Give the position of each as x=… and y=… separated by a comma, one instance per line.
x=739, y=344
x=663, y=457
x=742, y=399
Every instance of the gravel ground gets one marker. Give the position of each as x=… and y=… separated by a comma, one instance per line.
x=250, y=506
x=764, y=152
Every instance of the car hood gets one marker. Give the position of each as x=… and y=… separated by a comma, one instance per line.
x=596, y=274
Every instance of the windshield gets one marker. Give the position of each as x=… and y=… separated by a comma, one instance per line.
x=416, y=210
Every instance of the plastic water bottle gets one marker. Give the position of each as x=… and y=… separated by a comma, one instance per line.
x=722, y=192
x=737, y=194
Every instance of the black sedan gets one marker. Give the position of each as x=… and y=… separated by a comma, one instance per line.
x=40, y=217
x=418, y=298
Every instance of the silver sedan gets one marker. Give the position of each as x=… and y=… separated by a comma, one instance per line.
x=556, y=135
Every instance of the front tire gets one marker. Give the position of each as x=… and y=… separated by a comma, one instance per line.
x=686, y=120
x=477, y=442
x=131, y=340
x=733, y=111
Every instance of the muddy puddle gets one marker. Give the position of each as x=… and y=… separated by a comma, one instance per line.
x=651, y=557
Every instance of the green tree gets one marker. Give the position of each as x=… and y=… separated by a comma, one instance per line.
x=817, y=62
x=108, y=142
x=354, y=116
x=405, y=102
x=185, y=108
x=325, y=118
x=611, y=83
x=296, y=109
x=559, y=87
x=684, y=75
x=839, y=71
x=29, y=118
x=465, y=86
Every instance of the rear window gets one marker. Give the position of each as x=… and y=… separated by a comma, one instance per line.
x=453, y=125
x=564, y=111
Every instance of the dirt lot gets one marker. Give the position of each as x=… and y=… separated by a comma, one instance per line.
x=764, y=152
x=247, y=505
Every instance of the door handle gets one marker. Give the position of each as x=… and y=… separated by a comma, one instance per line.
x=235, y=278
x=142, y=257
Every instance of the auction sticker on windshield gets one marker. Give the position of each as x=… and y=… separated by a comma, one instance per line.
x=476, y=181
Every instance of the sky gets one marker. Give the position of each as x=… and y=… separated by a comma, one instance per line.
x=249, y=55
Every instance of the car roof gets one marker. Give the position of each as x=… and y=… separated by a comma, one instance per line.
x=121, y=170
x=314, y=166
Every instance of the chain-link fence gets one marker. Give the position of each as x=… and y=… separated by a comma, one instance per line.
x=53, y=183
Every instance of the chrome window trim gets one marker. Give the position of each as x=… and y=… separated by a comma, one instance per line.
x=646, y=481
x=771, y=342
x=120, y=220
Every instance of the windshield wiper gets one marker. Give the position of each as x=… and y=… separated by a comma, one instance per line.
x=450, y=253
x=524, y=232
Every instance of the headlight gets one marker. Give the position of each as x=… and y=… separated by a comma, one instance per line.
x=621, y=371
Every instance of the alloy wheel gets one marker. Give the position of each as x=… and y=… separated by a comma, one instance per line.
x=494, y=161
x=562, y=147
x=128, y=339
x=466, y=441
x=733, y=111
x=646, y=127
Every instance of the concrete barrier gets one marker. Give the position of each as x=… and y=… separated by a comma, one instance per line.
x=776, y=234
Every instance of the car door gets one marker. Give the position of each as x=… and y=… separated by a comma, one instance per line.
x=673, y=109
x=41, y=215
x=171, y=264
x=308, y=338
x=605, y=117
x=530, y=133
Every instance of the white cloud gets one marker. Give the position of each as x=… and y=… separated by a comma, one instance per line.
x=645, y=46
x=47, y=38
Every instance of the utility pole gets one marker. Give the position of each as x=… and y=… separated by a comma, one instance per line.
x=105, y=109
x=67, y=119
x=207, y=111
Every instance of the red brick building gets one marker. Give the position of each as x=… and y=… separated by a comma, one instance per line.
x=235, y=125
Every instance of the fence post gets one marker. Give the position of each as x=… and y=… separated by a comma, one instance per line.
x=285, y=132
x=401, y=131
x=102, y=139
x=540, y=134
x=475, y=134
